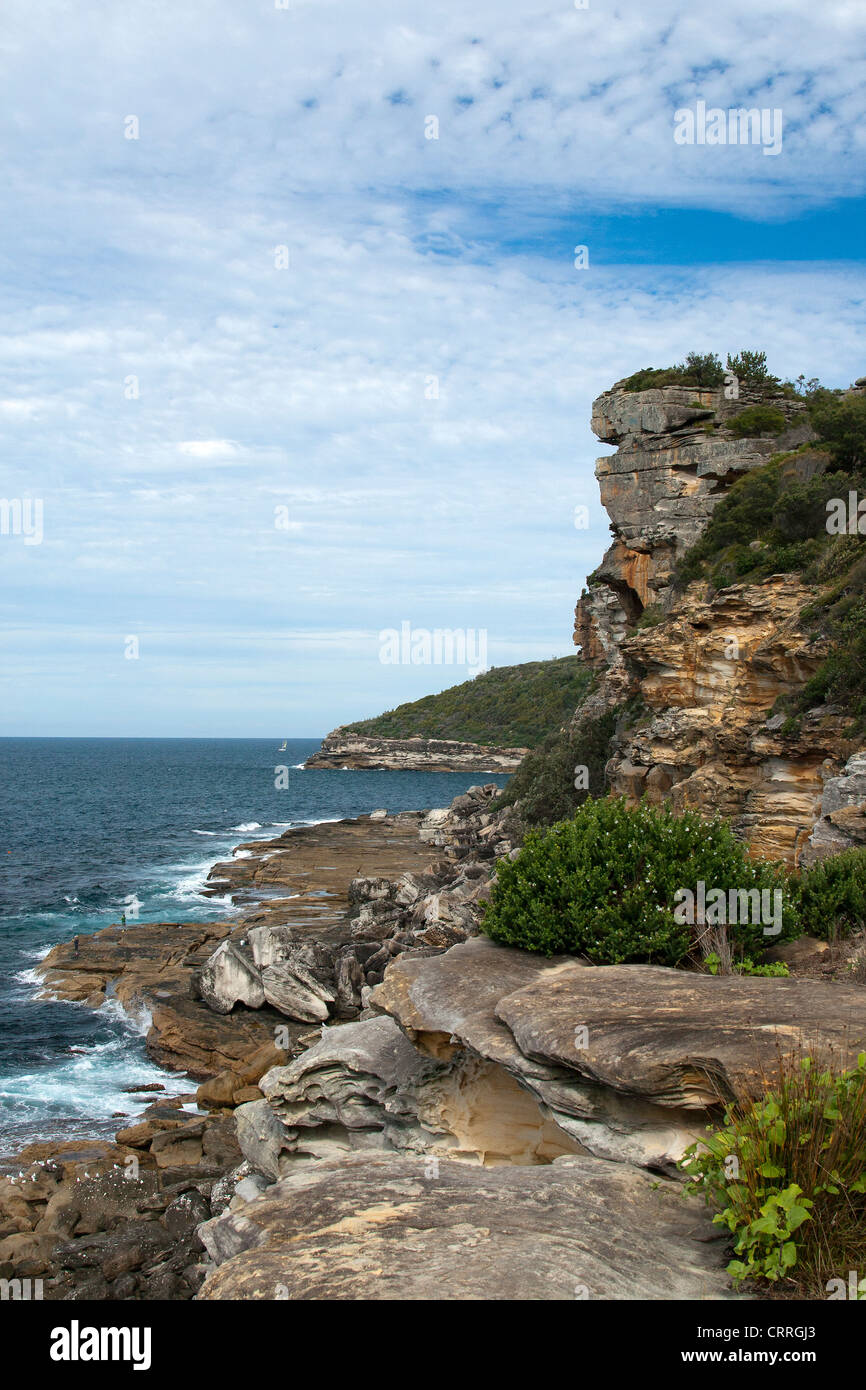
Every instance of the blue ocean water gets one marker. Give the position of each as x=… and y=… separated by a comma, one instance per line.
x=92, y=828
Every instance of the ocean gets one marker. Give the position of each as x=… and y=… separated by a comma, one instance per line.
x=92, y=828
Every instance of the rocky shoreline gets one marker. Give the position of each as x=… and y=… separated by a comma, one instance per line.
x=331, y=905
x=347, y=750
x=422, y=1120
x=389, y=1105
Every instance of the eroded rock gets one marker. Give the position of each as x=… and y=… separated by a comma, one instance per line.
x=385, y=1227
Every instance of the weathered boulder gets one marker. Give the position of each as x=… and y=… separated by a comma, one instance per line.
x=230, y=977
x=296, y=992
x=383, y=1227
x=355, y=1088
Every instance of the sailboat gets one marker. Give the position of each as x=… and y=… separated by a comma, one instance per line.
x=282, y=747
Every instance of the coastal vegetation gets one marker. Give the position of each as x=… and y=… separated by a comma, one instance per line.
x=786, y=1175
x=804, y=512
x=605, y=884
x=705, y=370
x=549, y=784
x=756, y=420
x=507, y=706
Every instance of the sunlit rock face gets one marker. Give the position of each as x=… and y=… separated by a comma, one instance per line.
x=709, y=676
x=675, y=459
x=703, y=671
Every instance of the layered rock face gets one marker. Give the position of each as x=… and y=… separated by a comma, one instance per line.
x=704, y=673
x=674, y=460
x=708, y=677
x=347, y=750
x=492, y=1125
x=497, y=1056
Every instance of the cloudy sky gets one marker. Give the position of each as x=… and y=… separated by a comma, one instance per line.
x=285, y=371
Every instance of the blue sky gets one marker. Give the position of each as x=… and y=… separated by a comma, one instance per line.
x=307, y=388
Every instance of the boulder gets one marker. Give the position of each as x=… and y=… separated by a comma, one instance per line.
x=219, y=1090
x=296, y=993
x=179, y=1148
x=230, y=977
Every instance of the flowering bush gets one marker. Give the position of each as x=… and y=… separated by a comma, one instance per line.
x=605, y=885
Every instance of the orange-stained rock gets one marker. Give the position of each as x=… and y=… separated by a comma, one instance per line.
x=705, y=671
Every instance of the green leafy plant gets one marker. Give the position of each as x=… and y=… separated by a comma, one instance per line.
x=605, y=885
x=832, y=895
x=756, y=419
x=544, y=783
x=787, y=1176
x=746, y=966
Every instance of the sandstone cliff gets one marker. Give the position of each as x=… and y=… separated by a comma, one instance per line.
x=342, y=749
x=702, y=671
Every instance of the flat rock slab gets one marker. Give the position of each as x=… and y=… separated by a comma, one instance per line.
x=302, y=877
x=458, y=998
x=385, y=1227
x=682, y=1038
x=149, y=968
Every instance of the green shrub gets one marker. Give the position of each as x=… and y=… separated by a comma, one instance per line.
x=840, y=616
x=703, y=369
x=788, y=1177
x=604, y=885
x=770, y=523
x=651, y=616
x=840, y=421
x=832, y=895
x=756, y=419
x=544, y=783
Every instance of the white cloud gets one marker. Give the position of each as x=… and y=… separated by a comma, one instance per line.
x=409, y=259
x=210, y=449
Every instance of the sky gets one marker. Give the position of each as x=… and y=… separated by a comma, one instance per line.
x=293, y=345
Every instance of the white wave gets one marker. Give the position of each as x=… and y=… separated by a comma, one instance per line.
x=247, y=825
x=204, y=832
x=188, y=887
x=300, y=765
x=137, y=1020
x=90, y=1082
x=242, y=854
x=28, y=977
x=316, y=820
x=37, y=952
x=70, y=898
